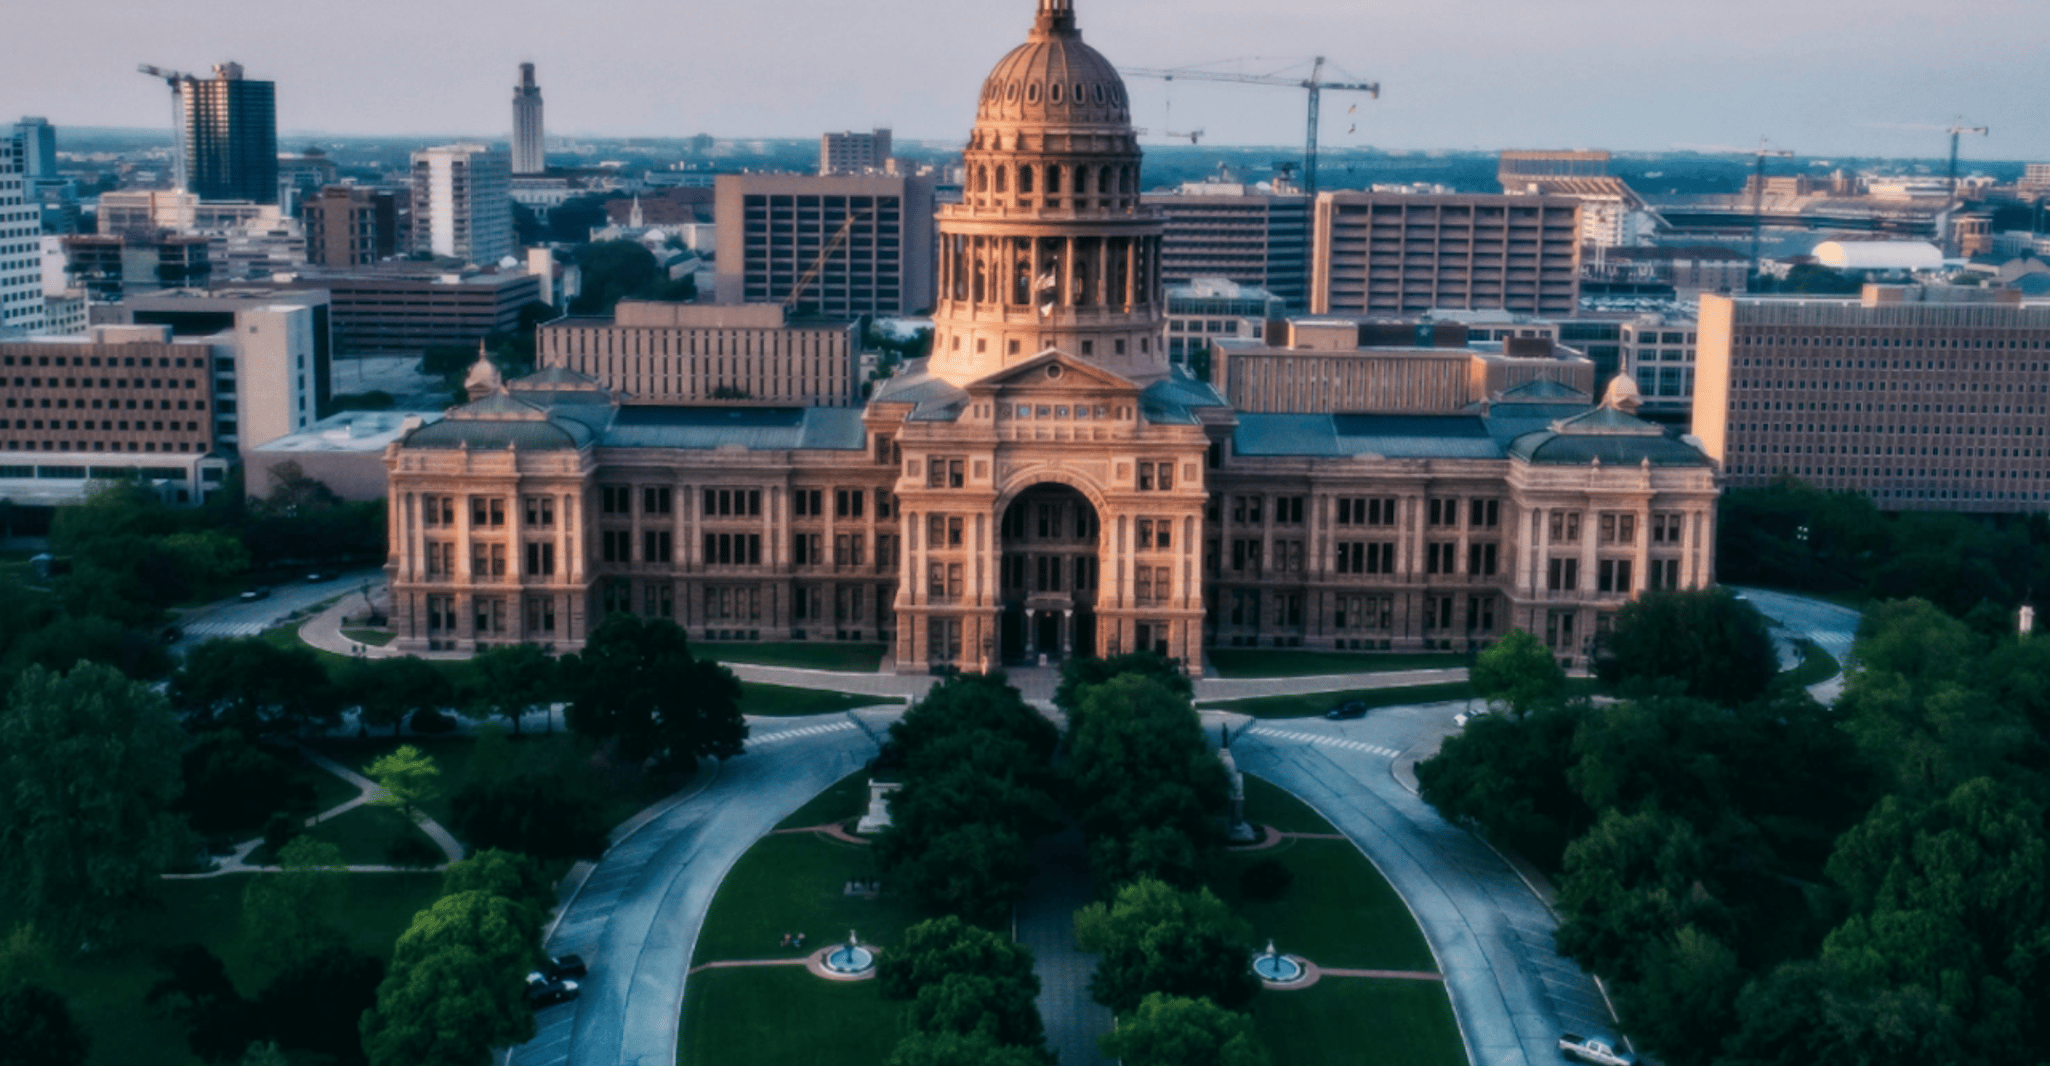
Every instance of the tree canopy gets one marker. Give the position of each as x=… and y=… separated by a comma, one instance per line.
x=1705, y=642
x=637, y=685
x=1156, y=938
x=1178, y=1031
x=456, y=987
x=255, y=687
x=1518, y=672
x=1145, y=781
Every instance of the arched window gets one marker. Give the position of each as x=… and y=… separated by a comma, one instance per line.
x=1053, y=178
x=1000, y=180
x=1032, y=93
x=1125, y=178
x=1053, y=93
x=1024, y=179
x=1103, y=181
x=981, y=179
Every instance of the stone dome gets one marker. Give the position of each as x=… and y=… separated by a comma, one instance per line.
x=1054, y=79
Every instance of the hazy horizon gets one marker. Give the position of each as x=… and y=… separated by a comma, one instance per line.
x=1828, y=77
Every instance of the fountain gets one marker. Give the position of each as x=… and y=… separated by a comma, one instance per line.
x=1273, y=966
x=850, y=958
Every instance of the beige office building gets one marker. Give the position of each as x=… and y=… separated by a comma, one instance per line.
x=1388, y=253
x=840, y=245
x=667, y=353
x=1921, y=398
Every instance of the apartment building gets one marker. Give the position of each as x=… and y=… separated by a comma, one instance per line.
x=1385, y=253
x=1242, y=233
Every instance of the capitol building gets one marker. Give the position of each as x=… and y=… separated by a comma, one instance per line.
x=1047, y=482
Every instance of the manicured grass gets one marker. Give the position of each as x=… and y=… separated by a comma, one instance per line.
x=795, y=883
x=1816, y=666
x=106, y=989
x=1338, y=911
x=847, y=798
x=1313, y=704
x=784, y=1015
x=452, y=754
x=1283, y=662
x=328, y=790
x=1358, y=1019
x=810, y=655
x=378, y=637
x=366, y=834
x=785, y=701
x=1269, y=804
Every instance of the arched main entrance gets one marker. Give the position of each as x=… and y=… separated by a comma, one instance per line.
x=1048, y=574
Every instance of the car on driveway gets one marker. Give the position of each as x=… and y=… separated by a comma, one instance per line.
x=1348, y=709
x=565, y=966
x=257, y=593
x=1595, y=1050
x=543, y=991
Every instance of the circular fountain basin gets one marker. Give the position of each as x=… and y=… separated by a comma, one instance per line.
x=1279, y=969
x=850, y=959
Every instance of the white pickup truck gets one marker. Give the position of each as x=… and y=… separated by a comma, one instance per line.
x=1598, y=1050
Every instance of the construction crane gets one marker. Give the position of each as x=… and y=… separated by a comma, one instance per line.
x=1954, y=129
x=1761, y=152
x=1314, y=85
x=811, y=274
x=174, y=79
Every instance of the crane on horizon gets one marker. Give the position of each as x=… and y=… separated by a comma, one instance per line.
x=1314, y=85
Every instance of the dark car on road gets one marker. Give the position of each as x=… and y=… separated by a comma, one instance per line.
x=1349, y=709
x=542, y=991
x=565, y=966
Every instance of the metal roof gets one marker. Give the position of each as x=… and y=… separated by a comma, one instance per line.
x=1390, y=436
x=753, y=428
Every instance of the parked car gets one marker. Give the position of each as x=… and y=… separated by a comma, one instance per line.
x=1349, y=709
x=541, y=991
x=565, y=966
x=1598, y=1050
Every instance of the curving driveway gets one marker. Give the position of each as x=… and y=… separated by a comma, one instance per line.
x=636, y=917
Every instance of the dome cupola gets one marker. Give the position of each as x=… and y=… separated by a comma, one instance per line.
x=1054, y=79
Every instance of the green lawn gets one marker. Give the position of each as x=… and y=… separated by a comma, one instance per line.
x=784, y=1015
x=1313, y=704
x=847, y=798
x=1359, y=1020
x=1269, y=804
x=792, y=883
x=366, y=834
x=451, y=753
x=1337, y=912
x=1816, y=666
x=811, y=655
x=785, y=701
x=1282, y=662
x=106, y=989
x=378, y=637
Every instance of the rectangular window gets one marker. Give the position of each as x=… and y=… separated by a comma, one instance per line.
x=655, y=546
x=540, y=615
x=1288, y=510
x=615, y=499
x=1565, y=527
x=1480, y=559
x=1613, y=575
x=1483, y=514
x=1563, y=575
x=540, y=558
x=540, y=512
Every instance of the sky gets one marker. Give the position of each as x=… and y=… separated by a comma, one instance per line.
x=1821, y=77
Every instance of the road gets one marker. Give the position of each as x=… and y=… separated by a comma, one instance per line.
x=636, y=918
x=1832, y=627
x=238, y=618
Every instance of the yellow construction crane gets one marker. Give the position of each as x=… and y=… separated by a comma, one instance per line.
x=811, y=274
x=1314, y=85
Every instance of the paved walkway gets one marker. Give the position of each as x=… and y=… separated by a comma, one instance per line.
x=1046, y=927
x=636, y=917
x=237, y=862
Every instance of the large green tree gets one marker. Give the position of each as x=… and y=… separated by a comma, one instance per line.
x=1633, y=881
x=1519, y=673
x=1146, y=781
x=294, y=914
x=508, y=875
x=316, y=1004
x=1080, y=672
x=1705, y=643
x=1156, y=938
x=1179, y=1031
x=39, y=1029
x=1507, y=776
x=457, y=985
x=253, y=686
x=232, y=785
x=89, y=771
x=637, y=685
x=406, y=777
x=385, y=691
x=947, y=1048
x=536, y=813
x=513, y=679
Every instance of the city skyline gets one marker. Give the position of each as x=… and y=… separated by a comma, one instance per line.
x=1823, y=78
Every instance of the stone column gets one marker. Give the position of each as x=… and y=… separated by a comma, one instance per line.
x=1640, y=567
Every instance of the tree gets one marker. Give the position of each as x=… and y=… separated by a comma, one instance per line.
x=936, y=947
x=507, y=875
x=511, y=680
x=24, y=958
x=291, y=915
x=920, y=1048
x=538, y=814
x=406, y=777
x=1079, y=673
x=456, y=987
x=317, y=1003
x=1179, y=1031
x=251, y=685
x=385, y=691
x=613, y=270
x=1507, y=776
x=969, y=1003
x=197, y=993
x=232, y=785
x=1519, y=672
x=88, y=774
x=1687, y=1001
x=1707, y=642
x=1139, y=769
x=637, y=685
x=39, y=1029
x=1633, y=881
x=1155, y=938
x=965, y=981
x=61, y=641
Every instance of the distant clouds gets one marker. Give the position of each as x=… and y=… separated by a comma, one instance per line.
x=1821, y=76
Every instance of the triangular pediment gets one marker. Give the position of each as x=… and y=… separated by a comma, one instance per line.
x=1052, y=371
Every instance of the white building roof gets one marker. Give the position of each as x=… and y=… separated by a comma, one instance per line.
x=1879, y=255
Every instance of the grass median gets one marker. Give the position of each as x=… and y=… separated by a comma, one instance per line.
x=1282, y=662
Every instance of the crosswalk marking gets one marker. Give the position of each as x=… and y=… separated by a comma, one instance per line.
x=805, y=731
x=1329, y=742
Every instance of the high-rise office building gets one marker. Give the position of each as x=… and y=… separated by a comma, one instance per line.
x=462, y=203
x=38, y=140
x=854, y=152
x=350, y=226
x=1381, y=253
x=869, y=236
x=21, y=264
x=1921, y=398
x=528, y=157
x=1238, y=232
x=229, y=137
